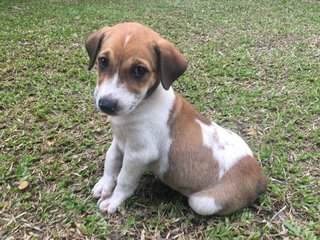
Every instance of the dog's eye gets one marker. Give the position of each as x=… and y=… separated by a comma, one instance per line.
x=138, y=72
x=103, y=62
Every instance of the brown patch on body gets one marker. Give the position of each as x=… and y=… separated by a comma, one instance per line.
x=193, y=170
x=239, y=187
x=191, y=165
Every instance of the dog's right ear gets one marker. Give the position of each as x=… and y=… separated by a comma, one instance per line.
x=93, y=44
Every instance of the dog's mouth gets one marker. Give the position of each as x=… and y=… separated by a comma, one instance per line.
x=108, y=114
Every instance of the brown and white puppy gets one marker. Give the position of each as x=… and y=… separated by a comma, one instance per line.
x=158, y=129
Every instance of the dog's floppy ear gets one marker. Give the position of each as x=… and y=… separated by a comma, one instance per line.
x=93, y=44
x=171, y=63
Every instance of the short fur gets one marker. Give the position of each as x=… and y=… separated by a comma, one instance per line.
x=157, y=129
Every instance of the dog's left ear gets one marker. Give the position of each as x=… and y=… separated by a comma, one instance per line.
x=93, y=44
x=171, y=63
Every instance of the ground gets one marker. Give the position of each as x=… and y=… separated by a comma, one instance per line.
x=253, y=68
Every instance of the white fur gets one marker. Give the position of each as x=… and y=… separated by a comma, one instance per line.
x=112, y=88
x=126, y=40
x=227, y=147
x=203, y=205
x=147, y=124
x=143, y=136
x=112, y=165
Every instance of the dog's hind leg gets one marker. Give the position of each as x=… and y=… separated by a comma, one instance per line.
x=238, y=188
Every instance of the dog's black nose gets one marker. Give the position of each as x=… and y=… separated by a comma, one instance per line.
x=108, y=105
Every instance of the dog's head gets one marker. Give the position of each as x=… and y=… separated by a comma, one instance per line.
x=132, y=60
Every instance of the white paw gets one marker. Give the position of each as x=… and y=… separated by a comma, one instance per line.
x=109, y=205
x=103, y=187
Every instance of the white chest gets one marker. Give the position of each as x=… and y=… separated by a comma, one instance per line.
x=144, y=134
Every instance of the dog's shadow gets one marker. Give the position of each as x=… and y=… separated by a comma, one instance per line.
x=153, y=198
x=153, y=192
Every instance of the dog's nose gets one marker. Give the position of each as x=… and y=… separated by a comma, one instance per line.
x=108, y=105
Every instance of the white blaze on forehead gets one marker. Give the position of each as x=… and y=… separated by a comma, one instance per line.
x=227, y=147
x=126, y=40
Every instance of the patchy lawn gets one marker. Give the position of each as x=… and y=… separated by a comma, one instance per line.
x=253, y=67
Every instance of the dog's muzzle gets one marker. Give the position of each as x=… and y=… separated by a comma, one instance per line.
x=108, y=105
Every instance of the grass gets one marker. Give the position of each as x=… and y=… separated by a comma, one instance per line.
x=252, y=64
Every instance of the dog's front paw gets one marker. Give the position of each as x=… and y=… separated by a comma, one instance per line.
x=103, y=188
x=109, y=205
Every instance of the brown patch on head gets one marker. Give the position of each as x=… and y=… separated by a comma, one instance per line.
x=128, y=70
x=131, y=48
x=191, y=165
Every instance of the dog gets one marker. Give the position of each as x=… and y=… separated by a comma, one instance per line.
x=157, y=129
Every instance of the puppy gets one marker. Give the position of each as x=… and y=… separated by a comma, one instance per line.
x=155, y=128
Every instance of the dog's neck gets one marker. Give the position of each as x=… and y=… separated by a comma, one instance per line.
x=159, y=103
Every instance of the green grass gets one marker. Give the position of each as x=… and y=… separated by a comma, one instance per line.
x=252, y=64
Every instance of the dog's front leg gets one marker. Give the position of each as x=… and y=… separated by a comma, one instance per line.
x=127, y=181
x=112, y=165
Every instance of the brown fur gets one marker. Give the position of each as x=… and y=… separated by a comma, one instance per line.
x=239, y=187
x=160, y=57
x=193, y=171
x=190, y=168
